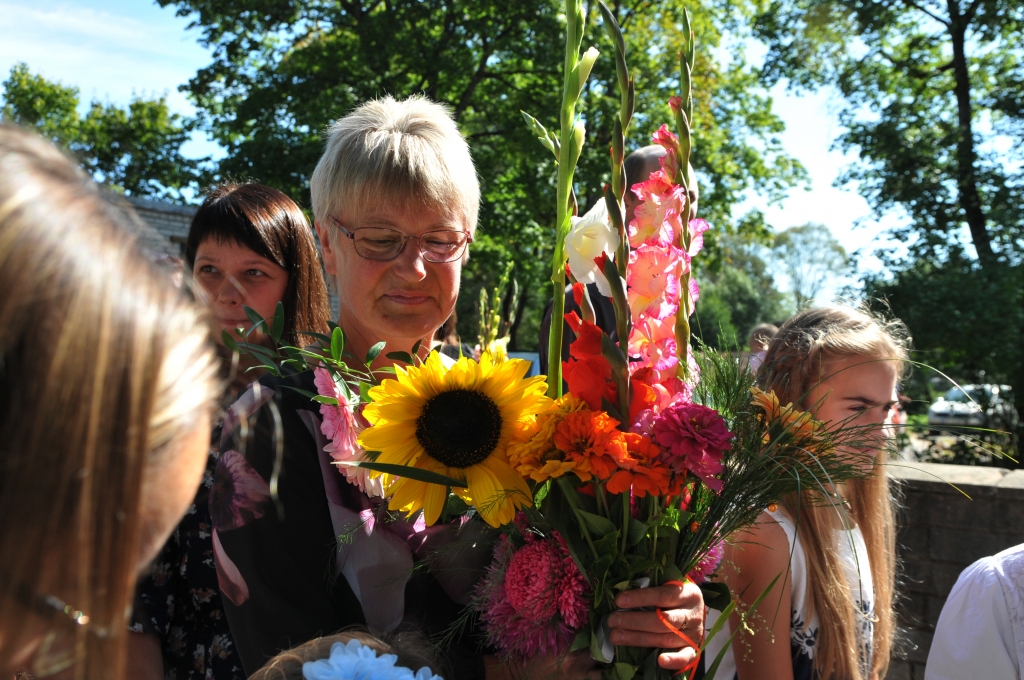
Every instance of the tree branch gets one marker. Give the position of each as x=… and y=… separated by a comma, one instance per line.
x=971, y=11
x=910, y=68
x=936, y=17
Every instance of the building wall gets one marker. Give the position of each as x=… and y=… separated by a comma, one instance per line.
x=170, y=223
x=952, y=516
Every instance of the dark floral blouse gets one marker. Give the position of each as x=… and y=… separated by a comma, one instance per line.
x=180, y=601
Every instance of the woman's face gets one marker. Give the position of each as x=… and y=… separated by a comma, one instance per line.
x=400, y=301
x=230, y=275
x=859, y=393
x=169, y=487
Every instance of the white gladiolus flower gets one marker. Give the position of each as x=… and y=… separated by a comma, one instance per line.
x=590, y=236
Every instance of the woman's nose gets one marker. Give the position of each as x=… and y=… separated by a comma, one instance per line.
x=410, y=264
x=230, y=292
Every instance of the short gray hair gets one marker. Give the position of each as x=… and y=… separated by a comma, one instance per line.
x=398, y=150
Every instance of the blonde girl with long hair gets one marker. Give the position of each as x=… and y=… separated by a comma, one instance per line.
x=829, y=616
x=106, y=384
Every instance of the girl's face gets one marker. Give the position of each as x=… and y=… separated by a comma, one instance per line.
x=230, y=275
x=858, y=392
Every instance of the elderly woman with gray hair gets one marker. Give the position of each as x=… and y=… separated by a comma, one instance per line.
x=395, y=199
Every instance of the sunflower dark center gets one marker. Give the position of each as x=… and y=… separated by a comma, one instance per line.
x=459, y=428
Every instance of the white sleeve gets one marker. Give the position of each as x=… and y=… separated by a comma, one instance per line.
x=974, y=638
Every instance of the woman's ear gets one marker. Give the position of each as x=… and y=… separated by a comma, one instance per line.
x=327, y=248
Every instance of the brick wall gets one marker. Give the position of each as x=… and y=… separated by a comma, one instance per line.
x=942, y=531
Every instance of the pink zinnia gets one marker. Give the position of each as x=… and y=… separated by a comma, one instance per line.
x=537, y=603
x=693, y=438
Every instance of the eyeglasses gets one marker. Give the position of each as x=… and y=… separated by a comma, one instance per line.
x=383, y=245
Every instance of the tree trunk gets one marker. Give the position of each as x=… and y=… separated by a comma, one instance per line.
x=967, y=181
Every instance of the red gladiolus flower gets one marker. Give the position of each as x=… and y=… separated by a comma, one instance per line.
x=587, y=373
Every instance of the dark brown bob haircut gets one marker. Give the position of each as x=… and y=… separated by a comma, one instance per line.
x=273, y=226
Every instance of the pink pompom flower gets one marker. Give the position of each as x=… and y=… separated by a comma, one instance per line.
x=693, y=438
x=535, y=599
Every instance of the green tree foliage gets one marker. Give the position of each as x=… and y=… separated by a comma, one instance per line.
x=737, y=295
x=933, y=104
x=135, y=150
x=810, y=256
x=927, y=86
x=283, y=70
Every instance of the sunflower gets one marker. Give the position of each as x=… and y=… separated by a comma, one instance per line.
x=456, y=422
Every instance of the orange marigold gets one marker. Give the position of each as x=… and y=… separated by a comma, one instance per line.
x=532, y=451
x=591, y=440
x=640, y=470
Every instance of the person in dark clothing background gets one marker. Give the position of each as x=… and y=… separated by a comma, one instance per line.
x=638, y=165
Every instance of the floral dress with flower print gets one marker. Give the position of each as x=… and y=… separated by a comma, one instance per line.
x=180, y=600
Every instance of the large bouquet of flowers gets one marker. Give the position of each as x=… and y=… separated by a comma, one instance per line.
x=636, y=475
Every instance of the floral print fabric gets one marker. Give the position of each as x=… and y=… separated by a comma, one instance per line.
x=180, y=600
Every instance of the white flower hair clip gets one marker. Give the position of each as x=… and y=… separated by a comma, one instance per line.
x=356, y=661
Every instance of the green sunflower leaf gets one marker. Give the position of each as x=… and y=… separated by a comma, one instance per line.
x=410, y=472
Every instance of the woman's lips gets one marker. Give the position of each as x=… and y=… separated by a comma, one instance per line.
x=404, y=299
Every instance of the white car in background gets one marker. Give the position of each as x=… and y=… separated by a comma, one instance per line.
x=974, y=406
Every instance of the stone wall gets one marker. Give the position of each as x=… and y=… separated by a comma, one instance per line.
x=952, y=516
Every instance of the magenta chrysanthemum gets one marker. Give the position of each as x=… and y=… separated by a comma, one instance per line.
x=693, y=438
x=535, y=599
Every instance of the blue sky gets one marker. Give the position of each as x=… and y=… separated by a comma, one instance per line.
x=112, y=49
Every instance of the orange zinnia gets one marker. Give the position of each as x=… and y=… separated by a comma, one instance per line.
x=640, y=470
x=590, y=439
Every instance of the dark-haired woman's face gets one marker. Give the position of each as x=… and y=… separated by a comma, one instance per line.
x=230, y=276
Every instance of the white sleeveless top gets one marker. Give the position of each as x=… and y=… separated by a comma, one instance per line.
x=803, y=631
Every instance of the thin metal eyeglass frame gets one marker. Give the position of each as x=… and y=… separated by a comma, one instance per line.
x=405, y=239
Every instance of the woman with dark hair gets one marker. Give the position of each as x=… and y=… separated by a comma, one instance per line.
x=249, y=246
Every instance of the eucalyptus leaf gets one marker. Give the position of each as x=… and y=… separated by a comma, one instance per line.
x=374, y=352
x=255, y=318
x=337, y=343
x=305, y=393
x=229, y=342
x=404, y=357
x=278, y=325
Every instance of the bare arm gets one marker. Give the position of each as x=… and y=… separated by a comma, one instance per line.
x=760, y=554
x=145, y=661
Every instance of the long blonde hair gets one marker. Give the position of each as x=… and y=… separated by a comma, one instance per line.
x=104, y=366
x=798, y=357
